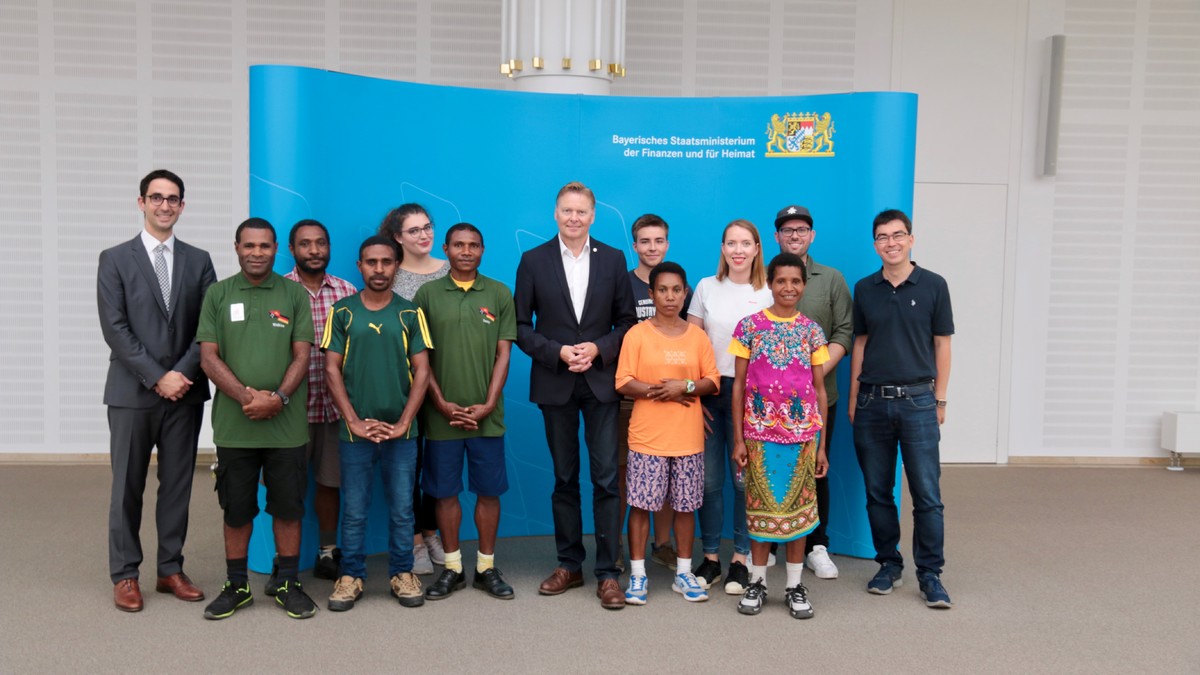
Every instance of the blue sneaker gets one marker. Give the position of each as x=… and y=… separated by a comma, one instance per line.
x=934, y=592
x=687, y=586
x=887, y=578
x=636, y=593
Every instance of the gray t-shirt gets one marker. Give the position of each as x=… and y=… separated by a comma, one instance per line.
x=407, y=283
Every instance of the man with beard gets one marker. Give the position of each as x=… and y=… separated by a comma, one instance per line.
x=255, y=337
x=309, y=246
x=378, y=387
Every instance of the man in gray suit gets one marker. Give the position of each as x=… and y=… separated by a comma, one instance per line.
x=149, y=291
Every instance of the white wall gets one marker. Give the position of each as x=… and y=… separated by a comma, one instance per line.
x=1050, y=277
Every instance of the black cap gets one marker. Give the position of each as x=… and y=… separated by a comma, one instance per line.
x=792, y=212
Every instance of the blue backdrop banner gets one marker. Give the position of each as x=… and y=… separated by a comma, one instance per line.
x=345, y=150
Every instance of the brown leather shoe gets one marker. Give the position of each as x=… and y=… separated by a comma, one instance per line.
x=560, y=581
x=181, y=586
x=610, y=594
x=127, y=596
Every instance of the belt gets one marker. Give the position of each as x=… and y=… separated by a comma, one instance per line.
x=900, y=391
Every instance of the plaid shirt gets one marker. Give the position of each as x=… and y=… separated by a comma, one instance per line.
x=320, y=403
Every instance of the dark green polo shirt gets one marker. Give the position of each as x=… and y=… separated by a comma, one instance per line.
x=826, y=301
x=466, y=326
x=376, y=346
x=254, y=328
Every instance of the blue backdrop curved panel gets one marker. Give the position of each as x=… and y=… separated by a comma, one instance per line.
x=346, y=149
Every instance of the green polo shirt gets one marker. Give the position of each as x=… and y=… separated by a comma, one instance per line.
x=466, y=327
x=376, y=346
x=826, y=300
x=254, y=328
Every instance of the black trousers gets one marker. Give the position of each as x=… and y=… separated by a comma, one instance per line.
x=562, y=435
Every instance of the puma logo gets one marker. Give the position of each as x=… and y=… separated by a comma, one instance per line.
x=377, y=328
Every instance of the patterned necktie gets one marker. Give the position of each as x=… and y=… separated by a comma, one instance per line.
x=164, y=279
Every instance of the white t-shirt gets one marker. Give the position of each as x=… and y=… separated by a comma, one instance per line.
x=722, y=304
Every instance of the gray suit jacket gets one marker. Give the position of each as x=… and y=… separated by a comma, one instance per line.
x=146, y=340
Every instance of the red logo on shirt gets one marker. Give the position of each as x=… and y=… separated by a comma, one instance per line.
x=488, y=317
x=278, y=316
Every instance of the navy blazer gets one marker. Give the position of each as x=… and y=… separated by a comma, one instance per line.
x=608, y=313
x=146, y=340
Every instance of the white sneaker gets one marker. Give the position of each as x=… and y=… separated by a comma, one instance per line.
x=436, y=553
x=422, y=565
x=818, y=561
x=770, y=560
x=797, y=601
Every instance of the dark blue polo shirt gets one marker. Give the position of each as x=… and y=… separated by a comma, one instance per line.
x=900, y=323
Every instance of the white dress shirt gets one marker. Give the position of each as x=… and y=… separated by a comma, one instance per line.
x=168, y=253
x=577, y=270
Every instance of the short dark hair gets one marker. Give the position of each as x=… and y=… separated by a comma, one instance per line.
x=307, y=222
x=254, y=224
x=463, y=227
x=394, y=220
x=379, y=240
x=648, y=220
x=667, y=267
x=155, y=175
x=888, y=216
x=787, y=260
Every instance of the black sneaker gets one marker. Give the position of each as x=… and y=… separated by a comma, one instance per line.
x=753, y=599
x=738, y=579
x=798, y=605
x=329, y=564
x=273, y=582
x=291, y=597
x=708, y=573
x=231, y=599
x=448, y=582
x=490, y=581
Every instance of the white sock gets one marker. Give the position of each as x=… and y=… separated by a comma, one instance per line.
x=637, y=568
x=683, y=565
x=794, y=572
x=758, y=573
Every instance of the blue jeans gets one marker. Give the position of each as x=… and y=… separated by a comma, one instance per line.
x=398, y=460
x=911, y=422
x=718, y=450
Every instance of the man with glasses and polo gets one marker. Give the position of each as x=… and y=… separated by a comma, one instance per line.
x=899, y=373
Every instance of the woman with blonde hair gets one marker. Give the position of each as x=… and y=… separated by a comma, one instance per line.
x=739, y=289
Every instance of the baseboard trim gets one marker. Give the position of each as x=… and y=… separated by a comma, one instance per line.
x=204, y=457
x=1160, y=462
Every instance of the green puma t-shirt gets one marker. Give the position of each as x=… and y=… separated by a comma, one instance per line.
x=376, y=347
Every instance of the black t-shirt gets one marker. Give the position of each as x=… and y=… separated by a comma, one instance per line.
x=900, y=323
x=644, y=304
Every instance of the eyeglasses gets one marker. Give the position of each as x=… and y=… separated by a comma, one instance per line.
x=157, y=199
x=897, y=237
x=414, y=231
x=791, y=231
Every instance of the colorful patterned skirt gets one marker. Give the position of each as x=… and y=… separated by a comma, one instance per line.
x=781, y=491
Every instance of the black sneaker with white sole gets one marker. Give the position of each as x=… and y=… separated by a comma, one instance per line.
x=708, y=573
x=737, y=579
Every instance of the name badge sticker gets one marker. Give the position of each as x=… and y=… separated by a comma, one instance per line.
x=237, y=312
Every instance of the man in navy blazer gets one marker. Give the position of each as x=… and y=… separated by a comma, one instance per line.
x=149, y=291
x=574, y=304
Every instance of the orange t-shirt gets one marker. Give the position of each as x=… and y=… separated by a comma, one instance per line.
x=666, y=428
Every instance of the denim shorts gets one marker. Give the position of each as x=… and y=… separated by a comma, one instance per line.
x=441, y=474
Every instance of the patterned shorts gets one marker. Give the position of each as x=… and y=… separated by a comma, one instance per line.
x=649, y=478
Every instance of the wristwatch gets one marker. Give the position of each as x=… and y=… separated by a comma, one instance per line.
x=283, y=397
x=941, y=403
x=691, y=386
